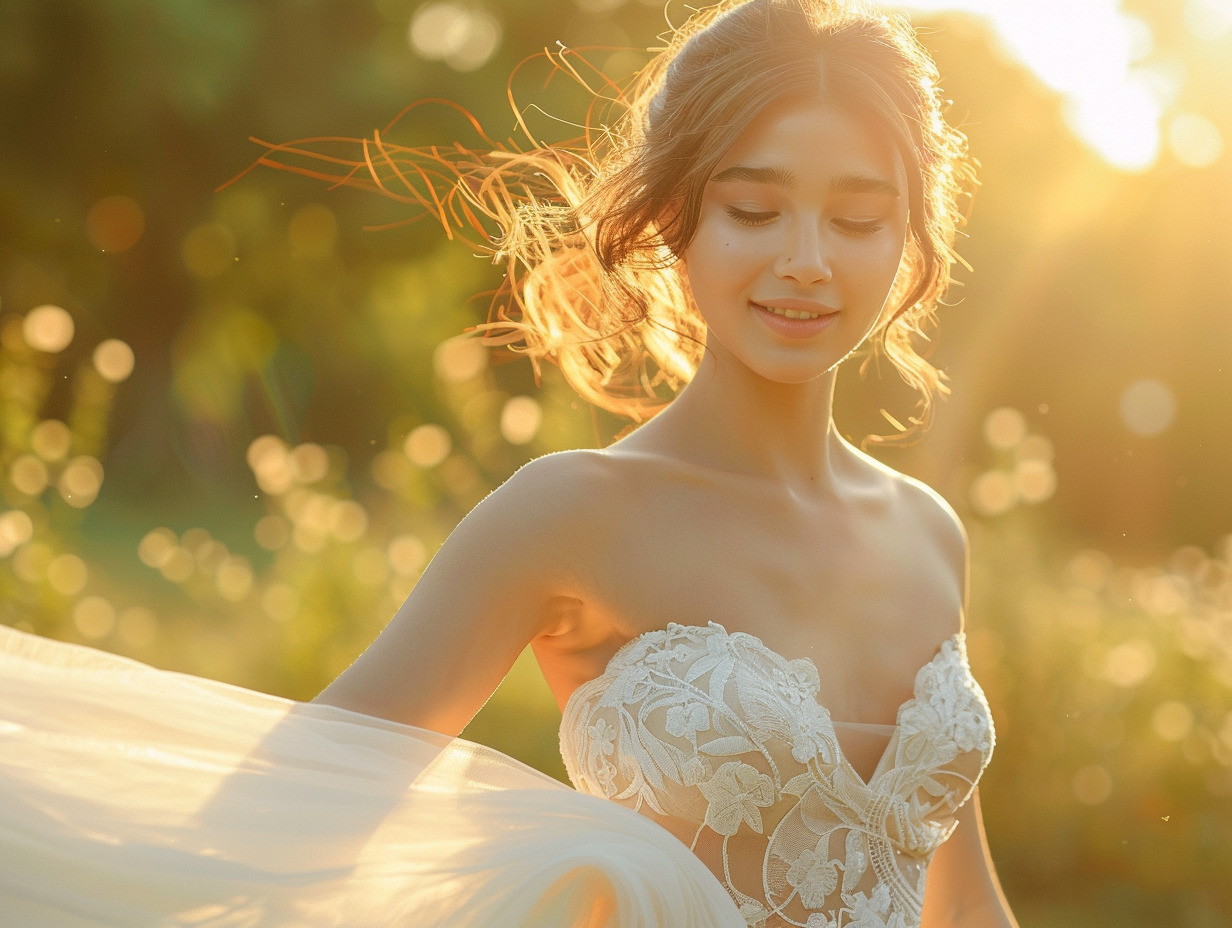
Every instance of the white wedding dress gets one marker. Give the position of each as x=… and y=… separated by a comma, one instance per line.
x=132, y=797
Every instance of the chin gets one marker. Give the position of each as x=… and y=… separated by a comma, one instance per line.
x=797, y=375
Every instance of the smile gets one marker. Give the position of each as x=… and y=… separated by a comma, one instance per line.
x=796, y=319
x=790, y=313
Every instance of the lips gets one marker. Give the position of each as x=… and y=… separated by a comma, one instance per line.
x=795, y=318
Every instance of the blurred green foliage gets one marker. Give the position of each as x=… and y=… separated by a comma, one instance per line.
x=301, y=428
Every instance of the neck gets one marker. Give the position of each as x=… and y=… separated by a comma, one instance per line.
x=730, y=419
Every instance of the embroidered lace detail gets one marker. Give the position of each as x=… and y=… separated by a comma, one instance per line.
x=722, y=741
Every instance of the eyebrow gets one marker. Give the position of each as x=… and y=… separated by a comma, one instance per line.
x=861, y=183
x=779, y=176
x=844, y=183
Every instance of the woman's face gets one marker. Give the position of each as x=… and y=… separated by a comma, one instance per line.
x=801, y=233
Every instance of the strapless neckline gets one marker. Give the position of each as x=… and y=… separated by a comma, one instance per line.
x=617, y=661
x=724, y=743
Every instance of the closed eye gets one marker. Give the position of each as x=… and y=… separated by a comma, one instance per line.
x=748, y=218
x=859, y=228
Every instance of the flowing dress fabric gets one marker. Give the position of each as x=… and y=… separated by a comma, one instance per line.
x=132, y=797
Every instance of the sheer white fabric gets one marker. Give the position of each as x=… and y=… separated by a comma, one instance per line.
x=136, y=797
x=132, y=798
x=722, y=741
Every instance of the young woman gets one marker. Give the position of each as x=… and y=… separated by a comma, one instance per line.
x=753, y=629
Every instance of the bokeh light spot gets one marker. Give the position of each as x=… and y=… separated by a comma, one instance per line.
x=81, y=480
x=348, y=520
x=67, y=574
x=51, y=439
x=313, y=232
x=94, y=617
x=427, y=445
x=464, y=36
x=1164, y=595
x=208, y=250
x=114, y=360
x=1034, y=448
x=271, y=465
x=156, y=547
x=391, y=470
x=16, y=528
x=407, y=555
x=178, y=565
x=48, y=328
x=233, y=579
x=993, y=493
x=1092, y=785
x=28, y=475
x=459, y=359
x=309, y=463
x=115, y=223
x=1130, y=662
x=1194, y=140
x=30, y=561
x=1035, y=481
x=1172, y=720
x=520, y=419
x=1005, y=427
x=1148, y=407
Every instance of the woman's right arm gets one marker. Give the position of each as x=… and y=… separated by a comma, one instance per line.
x=491, y=588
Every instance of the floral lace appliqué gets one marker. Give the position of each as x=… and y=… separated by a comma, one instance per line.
x=723, y=742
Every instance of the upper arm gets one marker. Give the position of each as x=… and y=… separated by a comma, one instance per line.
x=485, y=595
x=962, y=889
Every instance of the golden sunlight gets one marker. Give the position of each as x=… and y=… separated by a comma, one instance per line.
x=1095, y=55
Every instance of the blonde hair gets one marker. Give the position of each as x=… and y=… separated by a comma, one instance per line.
x=589, y=232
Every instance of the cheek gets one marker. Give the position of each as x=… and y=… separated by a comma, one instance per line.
x=881, y=263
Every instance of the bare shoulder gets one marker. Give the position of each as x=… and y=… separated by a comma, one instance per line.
x=550, y=507
x=937, y=515
x=923, y=508
x=558, y=489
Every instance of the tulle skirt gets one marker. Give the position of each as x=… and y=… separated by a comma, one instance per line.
x=132, y=797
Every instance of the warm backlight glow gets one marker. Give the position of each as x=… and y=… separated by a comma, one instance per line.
x=1209, y=19
x=1094, y=54
x=1194, y=140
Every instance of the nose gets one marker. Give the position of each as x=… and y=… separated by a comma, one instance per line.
x=805, y=256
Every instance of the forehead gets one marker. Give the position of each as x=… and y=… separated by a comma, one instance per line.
x=815, y=142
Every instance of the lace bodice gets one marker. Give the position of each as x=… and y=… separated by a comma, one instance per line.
x=722, y=741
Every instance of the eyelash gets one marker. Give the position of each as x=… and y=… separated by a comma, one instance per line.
x=746, y=218
x=853, y=227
